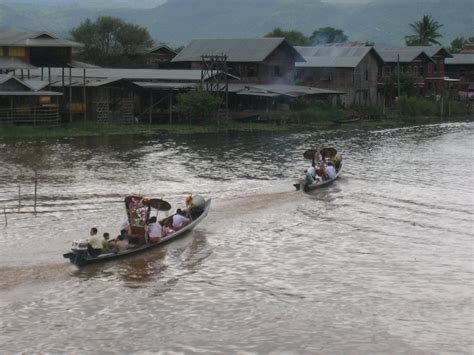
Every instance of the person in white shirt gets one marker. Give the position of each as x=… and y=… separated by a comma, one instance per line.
x=179, y=221
x=155, y=232
x=95, y=243
x=311, y=174
x=330, y=171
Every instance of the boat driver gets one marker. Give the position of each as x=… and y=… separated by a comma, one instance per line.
x=330, y=171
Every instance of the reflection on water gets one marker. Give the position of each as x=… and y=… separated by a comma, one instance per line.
x=380, y=261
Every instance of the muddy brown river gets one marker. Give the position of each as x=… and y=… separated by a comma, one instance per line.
x=381, y=261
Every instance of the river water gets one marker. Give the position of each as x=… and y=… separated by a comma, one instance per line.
x=381, y=261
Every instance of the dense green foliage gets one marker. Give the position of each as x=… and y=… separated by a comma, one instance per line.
x=419, y=106
x=295, y=38
x=320, y=36
x=458, y=43
x=197, y=105
x=426, y=32
x=328, y=35
x=408, y=85
x=110, y=41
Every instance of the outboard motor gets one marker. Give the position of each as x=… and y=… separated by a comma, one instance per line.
x=198, y=202
x=196, y=205
x=79, y=245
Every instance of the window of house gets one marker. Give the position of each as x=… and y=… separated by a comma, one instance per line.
x=366, y=75
x=1, y=51
x=251, y=71
x=421, y=71
x=16, y=51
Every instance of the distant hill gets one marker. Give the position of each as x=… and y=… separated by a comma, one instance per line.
x=178, y=21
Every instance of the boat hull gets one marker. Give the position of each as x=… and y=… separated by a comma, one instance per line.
x=303, y=184
x=82, y=258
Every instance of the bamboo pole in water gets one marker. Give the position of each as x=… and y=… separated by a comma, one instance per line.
x=36, y=189
x=19, y=197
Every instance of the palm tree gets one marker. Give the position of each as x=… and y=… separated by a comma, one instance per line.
x=426, y=32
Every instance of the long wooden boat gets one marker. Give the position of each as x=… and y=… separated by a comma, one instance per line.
x=349, y=119
x=82, y=257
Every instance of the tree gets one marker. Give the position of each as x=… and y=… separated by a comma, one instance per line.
x=327, y=35
x=426, y=32
x=458, y=43
x=295, y=38
x=408, y=85
x=198, y=104
x=111, y=41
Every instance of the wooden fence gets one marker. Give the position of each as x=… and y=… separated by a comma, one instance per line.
x=36, y=115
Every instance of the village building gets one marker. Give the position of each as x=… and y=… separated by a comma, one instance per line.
x=88, y=92
x=160, y=57
x=22, y=98
x=120, y=95
x=424, y=63
x=352, y=69
x=263, y=72
x=25, y=50
x=252, y=60
x=461, y=67
x=27, y=101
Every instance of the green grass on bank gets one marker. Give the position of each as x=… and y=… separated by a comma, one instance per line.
x=310, y=118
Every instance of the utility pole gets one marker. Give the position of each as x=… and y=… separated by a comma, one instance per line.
x=398, y=74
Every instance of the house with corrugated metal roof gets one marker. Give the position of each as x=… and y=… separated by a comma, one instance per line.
x=461, y=67
x=159, y=57
x=27, y=101
x=425, y=63
x=253, y=60
x=29, y=49
x=346, y=67
x=119, y=95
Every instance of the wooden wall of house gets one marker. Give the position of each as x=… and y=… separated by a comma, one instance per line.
x=329, y=78
x=277, y=68
x=436, y=69
x=365, y=80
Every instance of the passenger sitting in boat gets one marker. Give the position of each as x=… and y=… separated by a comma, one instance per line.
x=179, y=220
x=320, y=170
x=311, y=174
x=316, y=157
x=168, y=226
x=121, y=244
x=95, y=245
x=155, y=231
x=107, y=244
x=127, y=237
x=330, y=171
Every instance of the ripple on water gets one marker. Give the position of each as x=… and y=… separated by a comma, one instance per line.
x=381, y=261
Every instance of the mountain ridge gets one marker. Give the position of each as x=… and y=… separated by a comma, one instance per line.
x=176, y=22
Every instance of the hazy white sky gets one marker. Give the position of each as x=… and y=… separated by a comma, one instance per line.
x=349, y=1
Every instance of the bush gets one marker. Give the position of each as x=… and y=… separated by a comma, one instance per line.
x=198, y=105
x=318, y=111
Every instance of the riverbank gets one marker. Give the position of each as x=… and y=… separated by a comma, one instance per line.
x=282, y=123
